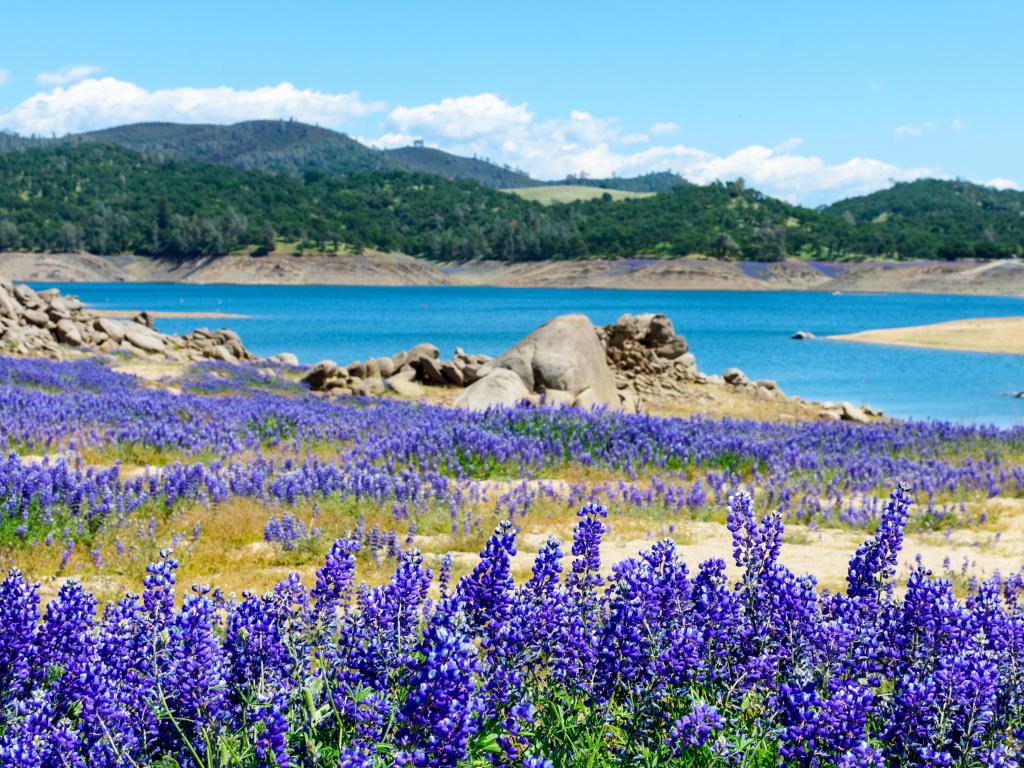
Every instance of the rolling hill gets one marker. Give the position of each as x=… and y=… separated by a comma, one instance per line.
x=264, y=185
x=264, y=145
x=435, y=161
x=286, y=146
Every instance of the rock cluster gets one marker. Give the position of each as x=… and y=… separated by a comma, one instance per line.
x=762, y=389
x=566, y=361
x=404, y=373
x=647, y=358
x=560, y=363
x=46, y=324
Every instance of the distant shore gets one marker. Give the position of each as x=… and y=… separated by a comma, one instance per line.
x=1004, y=335
x=1004, y=277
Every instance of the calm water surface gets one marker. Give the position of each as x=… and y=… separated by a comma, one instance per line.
x=744, y=329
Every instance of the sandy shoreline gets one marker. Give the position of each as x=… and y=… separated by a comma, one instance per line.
x=1002, y=335
x=1003, y=277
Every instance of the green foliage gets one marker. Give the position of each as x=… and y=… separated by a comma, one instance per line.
x=78, y=194
x=940, y=219
x=437, y=162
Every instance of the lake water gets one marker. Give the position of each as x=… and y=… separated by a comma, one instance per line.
x=743, y=329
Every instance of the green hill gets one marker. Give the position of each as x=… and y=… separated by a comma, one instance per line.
x=83, y=194
x=265, y=145
x=941, y=219
x=661, y=181
x=440, y=163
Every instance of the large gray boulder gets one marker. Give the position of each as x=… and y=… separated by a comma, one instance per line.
x=499, y=387
x=563, y=354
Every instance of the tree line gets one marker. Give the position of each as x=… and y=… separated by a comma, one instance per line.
x=107, y=199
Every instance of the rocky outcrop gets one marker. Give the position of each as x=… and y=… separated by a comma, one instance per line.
x=47, y=324
x=566, y=362
x=802, y=336
x=564, y=354
x=404, y=373
x=648, y=358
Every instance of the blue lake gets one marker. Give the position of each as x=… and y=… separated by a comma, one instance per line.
x=747, y=330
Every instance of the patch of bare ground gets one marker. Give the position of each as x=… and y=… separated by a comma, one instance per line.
x=999, y=277
x=1003, y=335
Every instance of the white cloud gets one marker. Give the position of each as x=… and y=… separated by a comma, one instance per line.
x=662, y=129
x=462, y=118
x=68, y=75
x=100, y=103
x=958, y=125
x=582, y=142
x=875, y=87
x=484, y=125
x=1001, y=183
x=5, y=75
x=912, y=131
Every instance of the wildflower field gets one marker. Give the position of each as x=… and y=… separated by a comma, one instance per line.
x=385, y=583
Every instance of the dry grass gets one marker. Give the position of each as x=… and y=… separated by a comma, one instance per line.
x=570, y=193
x=230, y=552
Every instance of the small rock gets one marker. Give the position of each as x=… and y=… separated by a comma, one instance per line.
x=370, y=387
x=850, y=412
x=36, y=317
x=112, y=328
x=385, y=366
x=452, y=373
x=734, y=376
x=68, y=333
x=147, y=342
x=430, y=371
x=802, y=336
x=499, y=387
x=404, y=385
x=558, y=397
x=316, y=376
x=285, y=358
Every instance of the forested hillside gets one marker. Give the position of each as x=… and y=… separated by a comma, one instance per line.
x=74, y=195
x=265, y=145
x=661, y=181
x=429, y=160
x=945, y=219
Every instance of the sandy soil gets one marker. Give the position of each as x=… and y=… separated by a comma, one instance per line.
x=1003, y=277
x=991, y=334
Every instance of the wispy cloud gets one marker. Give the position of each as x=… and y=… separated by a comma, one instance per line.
x=5, y=75
x=1000, y=183
x=913, y=130
x=68, y=75
x=663, y=129
x=958, y=125
x=100, y=103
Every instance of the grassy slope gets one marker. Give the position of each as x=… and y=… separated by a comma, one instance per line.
x=570, y=193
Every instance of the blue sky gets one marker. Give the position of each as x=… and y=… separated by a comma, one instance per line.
x=807, y=100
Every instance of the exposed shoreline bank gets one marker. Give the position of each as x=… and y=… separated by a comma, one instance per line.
x=968, y=277
x=997, y=335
